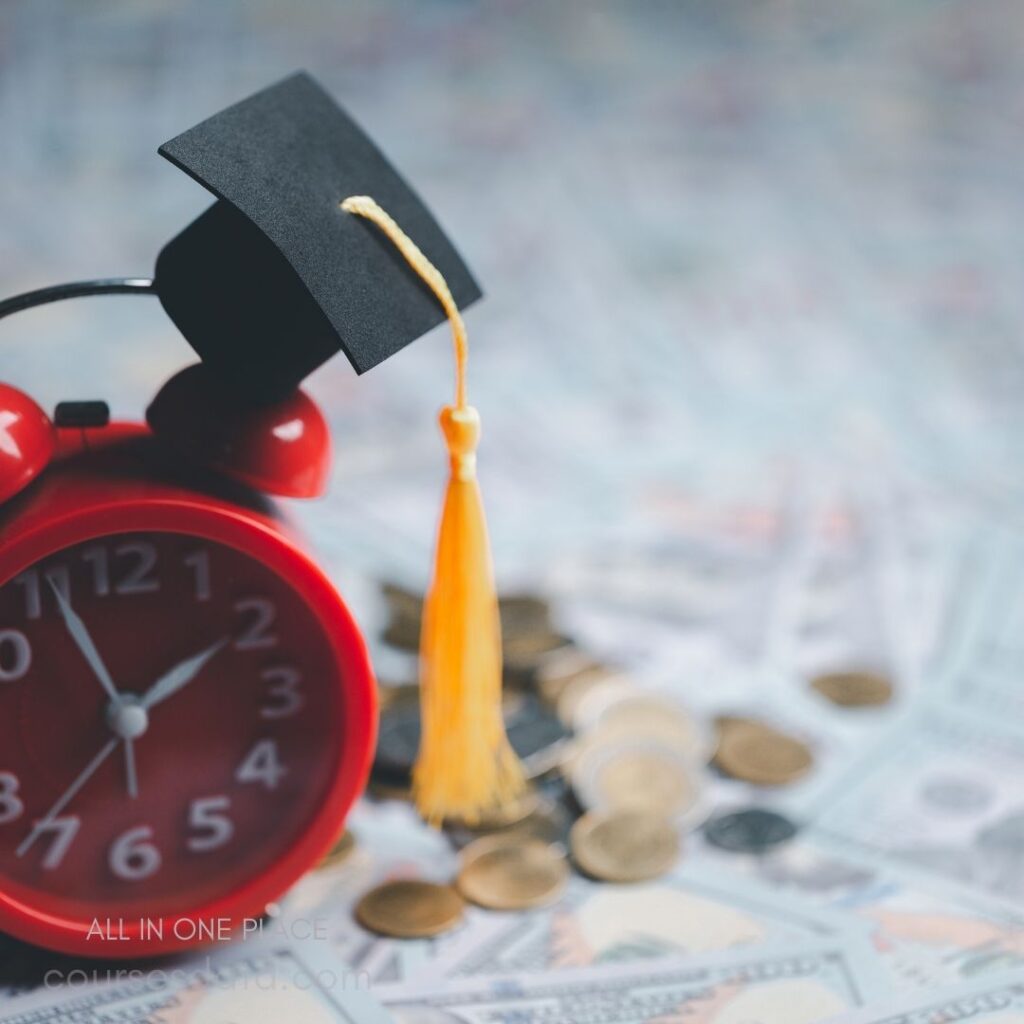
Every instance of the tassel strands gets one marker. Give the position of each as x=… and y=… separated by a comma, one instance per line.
x=465, y=764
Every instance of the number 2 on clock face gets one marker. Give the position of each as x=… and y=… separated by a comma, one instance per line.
x=168, y=721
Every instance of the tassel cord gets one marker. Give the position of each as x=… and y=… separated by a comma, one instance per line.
x=465, y=764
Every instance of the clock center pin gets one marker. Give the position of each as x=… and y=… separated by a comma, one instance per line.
x=127, y=717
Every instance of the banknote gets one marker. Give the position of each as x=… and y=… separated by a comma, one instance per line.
x=980, y=664
x=268, y=981
x=798, y=985
x=939, y=793
x=692, y=912
x=999, y=1000
x=923, y=932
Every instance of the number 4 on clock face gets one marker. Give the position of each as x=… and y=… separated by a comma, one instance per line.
x=262, y=765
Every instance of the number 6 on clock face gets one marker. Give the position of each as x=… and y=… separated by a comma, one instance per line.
x=171, y=723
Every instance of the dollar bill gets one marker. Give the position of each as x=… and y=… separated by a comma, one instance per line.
x=980, y=664
x=795, y=986
x=996, y=1001
x=923, y=933
x=939, y=794
x=693, y=912
x=267, y=981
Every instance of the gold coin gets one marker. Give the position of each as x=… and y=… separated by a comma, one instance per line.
x=559, y=669
x=548, y=821
x=340, y=851
x=527, y=648
x=652, y=717
x=402, y=633
x=524, y=613
x=638, y=775
x=511, y=873
x=409, y=909
x=402, y=602
x=854, y=689
x=727, y=724
x=520, y=613
x=623, y=846
x=762, y=755
x=580, y=685
x=501, y=815
x=391, y=695
x=383, y=791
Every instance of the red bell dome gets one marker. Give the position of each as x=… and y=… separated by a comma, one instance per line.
x=27, y=441
x=281, y=447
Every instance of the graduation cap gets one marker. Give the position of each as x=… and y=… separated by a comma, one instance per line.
x=275, y=277
x=314, y=244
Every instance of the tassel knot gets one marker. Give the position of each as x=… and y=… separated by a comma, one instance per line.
x=461, y=429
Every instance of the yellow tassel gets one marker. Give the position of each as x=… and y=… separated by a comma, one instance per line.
x=465, y=764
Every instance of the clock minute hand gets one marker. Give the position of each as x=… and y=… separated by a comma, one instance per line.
x=76, y=627
x=181, y=675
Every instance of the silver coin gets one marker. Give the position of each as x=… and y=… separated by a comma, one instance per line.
x=753, y=830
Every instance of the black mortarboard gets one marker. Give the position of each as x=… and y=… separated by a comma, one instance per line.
x=274, y=278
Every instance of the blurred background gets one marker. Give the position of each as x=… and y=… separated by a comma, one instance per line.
x=753, y=279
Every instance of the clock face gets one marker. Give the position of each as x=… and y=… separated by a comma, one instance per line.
x=170, y=722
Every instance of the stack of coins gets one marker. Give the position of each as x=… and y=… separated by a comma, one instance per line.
x=618, y=776
x=528, y=637
x=536, y=735
x=635, y=750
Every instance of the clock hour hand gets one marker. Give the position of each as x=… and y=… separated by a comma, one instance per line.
x=76, y=627
x=180, y=676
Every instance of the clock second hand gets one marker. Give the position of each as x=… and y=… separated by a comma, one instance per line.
x=129, y=767
x=67, y=797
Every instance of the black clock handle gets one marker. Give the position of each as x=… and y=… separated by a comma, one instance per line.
x=75, y=289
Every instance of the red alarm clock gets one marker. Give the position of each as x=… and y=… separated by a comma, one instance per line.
x=187, y=710
x=186, y=706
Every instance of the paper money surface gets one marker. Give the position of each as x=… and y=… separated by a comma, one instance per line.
x=798, y=986
x=923, y=933
x=270, y=982
x=981, y=661
x=996, y=1001
x=689, y=913
x=941, y=794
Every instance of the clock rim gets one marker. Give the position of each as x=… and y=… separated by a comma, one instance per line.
x=266, y=541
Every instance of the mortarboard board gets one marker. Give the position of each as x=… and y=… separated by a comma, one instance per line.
x=274, y=278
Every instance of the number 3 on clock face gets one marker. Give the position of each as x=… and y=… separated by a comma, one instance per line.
x=172, y=711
